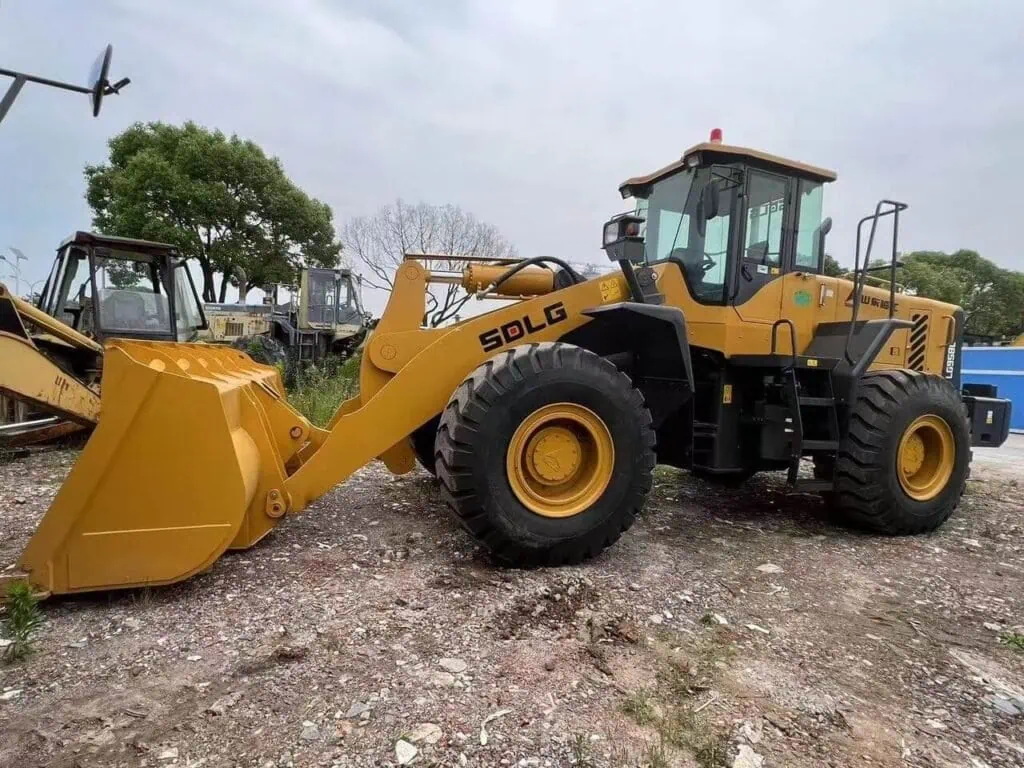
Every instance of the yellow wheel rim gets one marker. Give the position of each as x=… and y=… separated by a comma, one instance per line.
x=560, y=460
x=926, y=457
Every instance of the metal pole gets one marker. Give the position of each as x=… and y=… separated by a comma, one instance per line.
x=12, y=93
x=20, y=78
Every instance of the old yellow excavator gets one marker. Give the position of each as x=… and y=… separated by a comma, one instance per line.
x=719, y=347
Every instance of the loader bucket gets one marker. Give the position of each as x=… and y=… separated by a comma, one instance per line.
x=187, y=461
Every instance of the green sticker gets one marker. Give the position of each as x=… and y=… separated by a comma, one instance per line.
x=802, y=298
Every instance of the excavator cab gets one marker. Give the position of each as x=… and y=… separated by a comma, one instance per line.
x=112, y=287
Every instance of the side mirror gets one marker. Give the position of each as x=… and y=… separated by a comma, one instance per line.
x=824, y=229
x=707, y=206
x=709, y=197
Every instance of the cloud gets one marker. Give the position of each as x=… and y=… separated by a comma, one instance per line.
x=530, y=113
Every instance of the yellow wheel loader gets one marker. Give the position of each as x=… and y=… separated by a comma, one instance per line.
x=718, y=347
x=99, y=288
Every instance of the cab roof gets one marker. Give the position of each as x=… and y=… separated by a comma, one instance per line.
x=710, y=152
x=117, y=243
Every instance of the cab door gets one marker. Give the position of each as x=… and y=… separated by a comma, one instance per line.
x=808, y=296
x=764, y=239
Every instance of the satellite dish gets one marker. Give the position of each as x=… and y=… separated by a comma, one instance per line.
x=98, y=79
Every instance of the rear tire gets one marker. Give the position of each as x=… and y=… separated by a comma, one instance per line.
x=873, y=489
x=485, y=417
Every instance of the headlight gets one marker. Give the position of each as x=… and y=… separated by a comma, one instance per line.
x=611, y=232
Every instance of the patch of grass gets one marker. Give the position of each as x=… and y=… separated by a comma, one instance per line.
x=640, y=706
x=22, y=620
x=317, y=391
x=655, y=755
x=689, y=731
x=581, y=751
x=620, y=757
x=1013, y=639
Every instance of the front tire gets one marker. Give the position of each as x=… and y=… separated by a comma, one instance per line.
x=545, y=454
x=903, y=464
x=423, y=444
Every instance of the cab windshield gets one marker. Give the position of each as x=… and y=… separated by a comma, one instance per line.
x=673, y=209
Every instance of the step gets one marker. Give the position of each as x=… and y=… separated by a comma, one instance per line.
x=812, y=486
x=819, y=445
x=817, y=401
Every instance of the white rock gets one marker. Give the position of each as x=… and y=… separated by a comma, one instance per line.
x=455, y=666
x=310, y=731
x=973, y=543
x=769, y=568
x=992, y=627
x=4, y=642
x=223, y=704
x=756, y=628
x=11, y=694
x=936, y=725
x=656, y=618
x=405, y=752
x=720, y=619
x=428, y=733
x=747, y=758
x=752, y=732
x=168, y=754
x=357, y=709
x=193, y=657
x=441, y=679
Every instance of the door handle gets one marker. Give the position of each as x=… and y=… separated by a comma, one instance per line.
x=745, y=271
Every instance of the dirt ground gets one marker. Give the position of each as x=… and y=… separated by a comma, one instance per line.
x=727, y=628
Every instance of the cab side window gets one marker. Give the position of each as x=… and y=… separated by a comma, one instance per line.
x=766, y=211
x=808, y=229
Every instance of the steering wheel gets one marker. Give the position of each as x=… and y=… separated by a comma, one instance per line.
x=690, y=260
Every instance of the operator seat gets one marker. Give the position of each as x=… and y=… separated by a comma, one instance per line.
x=125, y=309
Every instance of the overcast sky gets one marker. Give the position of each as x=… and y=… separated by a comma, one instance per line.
x=529, y=113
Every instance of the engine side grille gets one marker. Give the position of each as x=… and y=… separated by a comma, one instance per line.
x=233, y=329
x=918, y=342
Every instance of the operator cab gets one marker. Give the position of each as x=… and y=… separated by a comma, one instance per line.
x=332, y=298
x=116, y=287
x=731, y=218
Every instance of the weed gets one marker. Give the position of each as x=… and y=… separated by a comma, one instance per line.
x=143, y=598
x=22, y=620
x=581, y=751
x=640, y=706
x=708, y=620
x=620, y=757
x=686, y=730
x=1013, y=639
x=317, y=391
x=655, y=755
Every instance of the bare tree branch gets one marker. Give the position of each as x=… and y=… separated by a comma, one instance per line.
x=381, y=241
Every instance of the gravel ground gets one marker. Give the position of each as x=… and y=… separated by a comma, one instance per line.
x=728, y=628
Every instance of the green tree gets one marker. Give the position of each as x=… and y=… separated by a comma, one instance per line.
x=221, y=200
x=831, y=267
x=992, y=297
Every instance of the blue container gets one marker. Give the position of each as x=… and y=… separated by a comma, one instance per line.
x=1003, y=367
